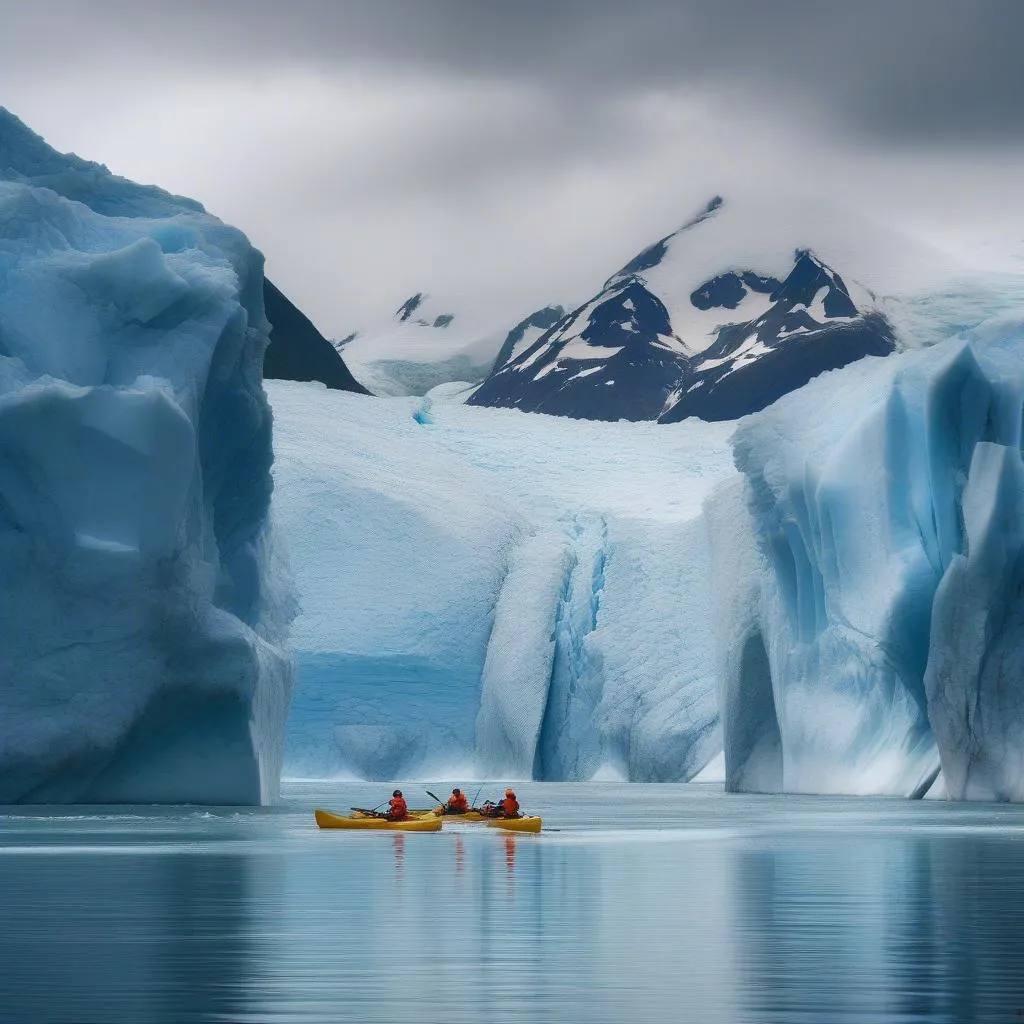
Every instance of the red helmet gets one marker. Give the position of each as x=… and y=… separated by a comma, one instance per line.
x=510, y=792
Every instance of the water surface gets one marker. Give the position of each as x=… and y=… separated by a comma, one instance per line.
x=650, y=903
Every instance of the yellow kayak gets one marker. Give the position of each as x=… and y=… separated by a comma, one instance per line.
x=528, y=823
x=325, y=819
x=531, y=823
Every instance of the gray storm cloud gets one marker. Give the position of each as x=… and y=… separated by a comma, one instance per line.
x=519, y=151
x=913, y=69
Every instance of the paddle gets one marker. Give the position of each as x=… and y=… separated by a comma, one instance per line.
x=369, y=810
x=437, y=798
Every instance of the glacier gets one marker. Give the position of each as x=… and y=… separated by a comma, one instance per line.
x=831, y=600
x=868, y=629
x=486, y=592
x=143, y=604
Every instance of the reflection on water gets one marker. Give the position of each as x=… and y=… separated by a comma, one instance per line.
x=460, y=855
x=399, y=840
x=736, y=909
x=108, y=938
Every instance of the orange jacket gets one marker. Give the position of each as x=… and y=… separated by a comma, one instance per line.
x=398, y=808
x=510, y=807
x=458, y=803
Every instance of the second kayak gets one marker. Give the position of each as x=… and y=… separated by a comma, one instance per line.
x=326, y=819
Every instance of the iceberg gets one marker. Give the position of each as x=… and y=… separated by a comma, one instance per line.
x=869, y=624
x=143, y=612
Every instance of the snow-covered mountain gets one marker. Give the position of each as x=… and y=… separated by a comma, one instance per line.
x=421, y=345
x=747, y=301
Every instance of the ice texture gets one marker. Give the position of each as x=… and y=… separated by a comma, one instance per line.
x=141, y=614
x=488, y=593
x=873, y=630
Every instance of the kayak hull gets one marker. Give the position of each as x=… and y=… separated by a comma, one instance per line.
x=468, y=816
x=528, y=824
x=325, y=819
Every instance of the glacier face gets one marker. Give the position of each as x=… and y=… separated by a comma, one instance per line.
x=870, y=632
x=141, y=627
x=490, y=593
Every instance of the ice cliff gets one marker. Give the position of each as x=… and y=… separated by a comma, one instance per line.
x=487, y=592
x=141, y=627
x=870, y=625
x=529, y=596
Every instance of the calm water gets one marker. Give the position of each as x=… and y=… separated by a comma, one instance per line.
x=652, y=903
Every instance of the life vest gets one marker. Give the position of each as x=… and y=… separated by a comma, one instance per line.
x=510, y=807
x=398, y=808
x=458, y=804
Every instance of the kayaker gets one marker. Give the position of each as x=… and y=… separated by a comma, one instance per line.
x=398, y=809
x=457, y=803
x=510, y=805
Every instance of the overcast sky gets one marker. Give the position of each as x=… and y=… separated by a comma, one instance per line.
x=516, y=152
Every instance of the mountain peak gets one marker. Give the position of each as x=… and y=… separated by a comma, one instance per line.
x=407, y=308
x=715, y=323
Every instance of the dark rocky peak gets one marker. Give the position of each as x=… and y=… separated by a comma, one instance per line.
x=630, y=316
x=728, y=290
x=654, y=254
x=297, y=350
x=542, y=319
x=411, y=304
x=807, y=278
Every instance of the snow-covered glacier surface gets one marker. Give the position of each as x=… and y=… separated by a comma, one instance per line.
x=141, y=627
x=869, y=626
x=486, y=591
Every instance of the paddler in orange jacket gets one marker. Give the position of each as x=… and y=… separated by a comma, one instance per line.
x=510, y=805
x=457, y=803
x=398, y=809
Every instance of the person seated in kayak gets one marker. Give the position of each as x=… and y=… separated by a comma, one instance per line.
x=398, y=809
x=457, y=803
x=507, y=808
x=510, y=805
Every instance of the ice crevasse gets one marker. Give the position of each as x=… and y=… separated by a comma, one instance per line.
x=141, y=627
x=870, y=626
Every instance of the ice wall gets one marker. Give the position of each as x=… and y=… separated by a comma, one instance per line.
x=141, y=621
x=493, y=593
x=872, y=630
